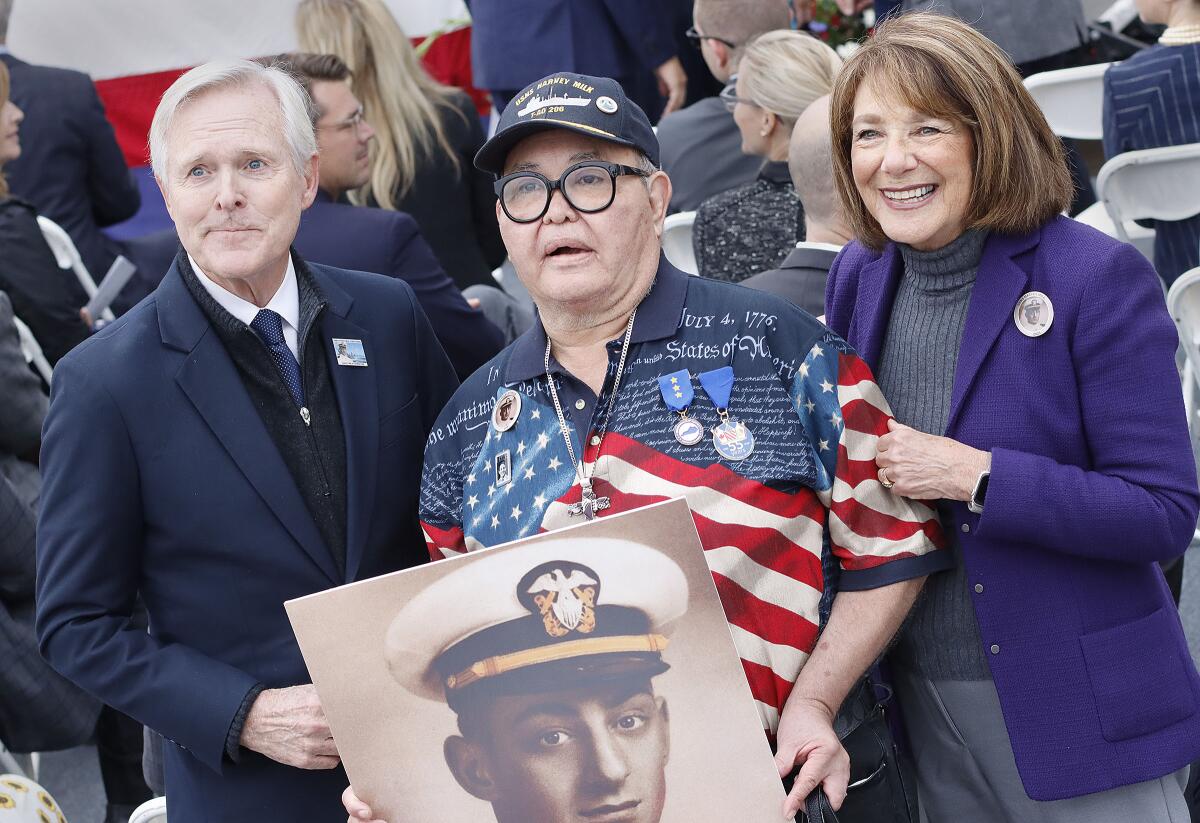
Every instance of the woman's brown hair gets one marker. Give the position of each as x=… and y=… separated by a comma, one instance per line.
x=3, y=100
x=942, y=67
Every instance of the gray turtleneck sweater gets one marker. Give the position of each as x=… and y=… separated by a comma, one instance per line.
x=916, y=373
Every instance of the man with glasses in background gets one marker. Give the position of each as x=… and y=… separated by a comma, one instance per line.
x=701, y=146
x=334, y=232
x=638, y=383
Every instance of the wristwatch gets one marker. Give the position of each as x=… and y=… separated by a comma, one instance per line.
x=975, y=504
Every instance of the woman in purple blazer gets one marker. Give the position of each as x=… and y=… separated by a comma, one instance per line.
x=1030, y=363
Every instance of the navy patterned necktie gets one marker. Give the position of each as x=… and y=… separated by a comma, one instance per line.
x=269, y=327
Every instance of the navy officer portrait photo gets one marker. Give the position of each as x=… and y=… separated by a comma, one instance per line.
x=211, y=453
x=551, y=676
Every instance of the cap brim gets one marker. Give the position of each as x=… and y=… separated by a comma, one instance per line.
x=493, y=153
x=561, y=675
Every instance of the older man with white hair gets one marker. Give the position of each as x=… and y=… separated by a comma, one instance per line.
x=248, y=434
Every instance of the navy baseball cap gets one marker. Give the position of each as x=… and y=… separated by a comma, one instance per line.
x=595, y=106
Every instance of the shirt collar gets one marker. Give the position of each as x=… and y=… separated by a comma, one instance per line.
x=805, y=244
x=4, y=49
x=285, y=302
x=775, y=171
x=658, y=316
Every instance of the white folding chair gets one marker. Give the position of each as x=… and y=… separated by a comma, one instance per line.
x=1183, y=302
x=32, y=350
x=152, y=811
x=1140, y=237
x=8, y=763
x=1154, y=184
x=1072, y=100
x=677, y=241
x=23, y=765
x=67, y=257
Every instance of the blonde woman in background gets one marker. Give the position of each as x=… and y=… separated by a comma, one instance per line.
x=426, y=135
x=752, y=228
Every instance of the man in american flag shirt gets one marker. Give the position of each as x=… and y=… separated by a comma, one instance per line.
x=606, y=297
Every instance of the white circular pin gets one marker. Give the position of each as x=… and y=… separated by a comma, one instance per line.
x=1034, y=314
x=606, y=105
x=506, y=411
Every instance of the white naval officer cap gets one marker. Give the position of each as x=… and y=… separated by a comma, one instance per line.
x=556, y=614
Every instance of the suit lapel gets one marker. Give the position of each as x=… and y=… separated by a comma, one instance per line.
x=211, y=382
x=998, y=285
x=358, y=401
x=873, y=305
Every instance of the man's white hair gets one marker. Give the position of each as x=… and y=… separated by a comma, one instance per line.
x=294, y=105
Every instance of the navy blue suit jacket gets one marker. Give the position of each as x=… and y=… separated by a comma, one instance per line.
x=514, y=42
x=161, y=479
x=389, y=242
x=70, y=167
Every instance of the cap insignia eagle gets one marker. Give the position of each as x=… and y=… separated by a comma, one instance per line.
x=565, y=597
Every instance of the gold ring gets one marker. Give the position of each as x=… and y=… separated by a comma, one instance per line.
x=883, y=478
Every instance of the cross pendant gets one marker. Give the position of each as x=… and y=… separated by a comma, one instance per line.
x=589, y=504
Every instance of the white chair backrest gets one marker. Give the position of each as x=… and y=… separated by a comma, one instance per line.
x=65, y=252
x=1140, y=237
x=152, y=811
x=677, y=241
x=1158, y=184
x=1183, y=302
x=68, y=257
x=1072, y=100
x=32, y=350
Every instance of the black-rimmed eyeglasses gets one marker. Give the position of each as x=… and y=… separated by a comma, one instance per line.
x=589, y=187
x=696, y=38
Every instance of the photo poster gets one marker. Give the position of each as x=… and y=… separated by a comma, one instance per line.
x=582, y=674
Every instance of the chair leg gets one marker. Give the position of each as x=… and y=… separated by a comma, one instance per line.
x=9, y=763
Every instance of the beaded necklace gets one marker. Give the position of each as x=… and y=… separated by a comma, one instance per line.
x=1181, y=35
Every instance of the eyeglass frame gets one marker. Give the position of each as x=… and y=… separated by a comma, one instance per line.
x=728, y=95
x=352, y=123
x=614, y=170
x=694, y=37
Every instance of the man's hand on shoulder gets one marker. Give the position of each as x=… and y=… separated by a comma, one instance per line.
x=806, y=739
x=289, y=726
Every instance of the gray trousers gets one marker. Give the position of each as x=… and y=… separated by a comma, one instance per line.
x=966, y=770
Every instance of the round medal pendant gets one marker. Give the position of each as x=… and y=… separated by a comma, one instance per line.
x=733, y=440
x=688, y=431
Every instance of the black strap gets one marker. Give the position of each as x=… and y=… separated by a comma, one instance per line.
x=817, y=808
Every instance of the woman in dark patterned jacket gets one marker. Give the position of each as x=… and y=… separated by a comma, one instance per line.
x=752, y=228
x=1150, y=100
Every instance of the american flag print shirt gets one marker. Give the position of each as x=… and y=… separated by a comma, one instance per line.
x=814, y=410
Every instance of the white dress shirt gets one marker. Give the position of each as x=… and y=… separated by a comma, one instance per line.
x=285, y=303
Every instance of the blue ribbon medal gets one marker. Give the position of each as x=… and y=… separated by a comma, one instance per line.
x=676, y=390
x=731, y=438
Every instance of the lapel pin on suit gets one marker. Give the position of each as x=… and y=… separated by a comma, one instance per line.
x=1034, y=314
x=349, y=352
